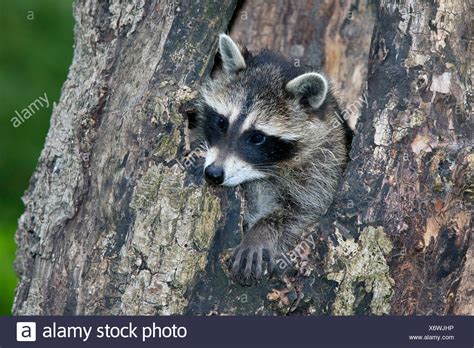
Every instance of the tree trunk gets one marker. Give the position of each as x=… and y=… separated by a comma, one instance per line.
x=117, y=219
x=405, y=197
x=113, y=224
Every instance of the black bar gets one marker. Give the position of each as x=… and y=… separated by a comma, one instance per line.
x=288, y=332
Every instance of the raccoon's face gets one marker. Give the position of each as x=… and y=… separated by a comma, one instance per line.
x=239, y=151
x=248, y=115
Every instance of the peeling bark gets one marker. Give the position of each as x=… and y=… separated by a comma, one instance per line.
x=117, y=220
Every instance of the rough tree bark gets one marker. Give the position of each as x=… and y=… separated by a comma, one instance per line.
x=112, y=223
x=408, y=182
x=117, y=221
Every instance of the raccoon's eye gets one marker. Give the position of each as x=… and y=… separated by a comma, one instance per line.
x=222, y=123
x=258, y=138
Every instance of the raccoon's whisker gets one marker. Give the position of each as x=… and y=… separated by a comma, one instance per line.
x=260, y=167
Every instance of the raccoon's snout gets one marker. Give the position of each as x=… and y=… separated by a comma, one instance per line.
x=214, y=174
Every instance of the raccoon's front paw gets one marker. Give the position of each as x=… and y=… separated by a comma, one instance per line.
x=250, y=259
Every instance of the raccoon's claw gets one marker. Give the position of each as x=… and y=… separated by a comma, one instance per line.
x=248, y=263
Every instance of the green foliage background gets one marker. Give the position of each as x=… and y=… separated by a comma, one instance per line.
x=36, y=46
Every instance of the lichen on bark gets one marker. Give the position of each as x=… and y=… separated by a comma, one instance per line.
x=351, y=263
x=173, y=233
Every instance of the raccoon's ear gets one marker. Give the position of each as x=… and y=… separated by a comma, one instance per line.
x=312, y=87
x=232, y=59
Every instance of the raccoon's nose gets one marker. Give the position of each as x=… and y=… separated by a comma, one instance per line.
x=214, y=175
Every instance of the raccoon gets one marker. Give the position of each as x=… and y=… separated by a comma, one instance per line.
x=272, y=128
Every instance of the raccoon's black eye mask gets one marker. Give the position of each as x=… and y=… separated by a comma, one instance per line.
x=214, y=125
x=259, y=148
x=222, y=123
x=253, y=145
x=258, y=138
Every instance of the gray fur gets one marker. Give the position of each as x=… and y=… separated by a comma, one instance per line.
x=268, y=93
x=312, y=86
x=232, y=59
